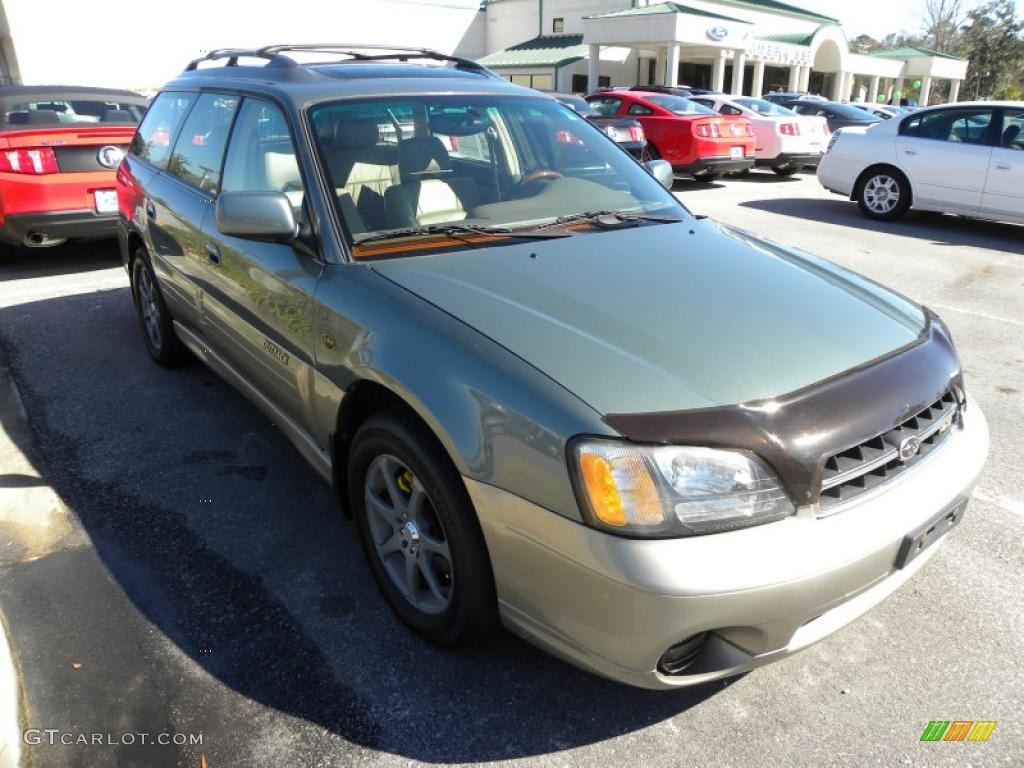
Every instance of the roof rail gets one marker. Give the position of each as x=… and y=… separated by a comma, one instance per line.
x=274, y=57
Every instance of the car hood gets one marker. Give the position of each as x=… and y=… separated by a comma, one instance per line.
x=664, y=317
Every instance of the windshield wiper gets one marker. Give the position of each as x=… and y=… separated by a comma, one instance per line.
x=609, y=219
x=453, y=230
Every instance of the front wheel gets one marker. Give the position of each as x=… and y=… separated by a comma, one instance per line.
x=883, y=194
x=419, y=531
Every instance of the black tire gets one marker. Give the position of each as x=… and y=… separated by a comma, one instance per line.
x=875, y=206
x=787, y=170
x=651, y=152
x=158, y=334
x=708, y=176
x=471, y=611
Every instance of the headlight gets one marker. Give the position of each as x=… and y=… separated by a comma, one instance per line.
x=666, y=491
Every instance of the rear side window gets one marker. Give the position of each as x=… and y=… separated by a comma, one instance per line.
x=199, y=150
x=152, y=141
x=261, y=156
x=1013, y=130
x=959, y=126
x=640, y=109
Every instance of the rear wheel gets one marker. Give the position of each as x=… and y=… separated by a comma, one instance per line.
x=154, y=318
x=650, y=152
x=419, y=530
x=786, y=170
x=883, y=194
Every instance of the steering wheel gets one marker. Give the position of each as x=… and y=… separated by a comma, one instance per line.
x=545, y=174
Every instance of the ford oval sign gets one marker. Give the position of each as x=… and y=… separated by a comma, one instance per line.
x=718, y=33
x=109, y=156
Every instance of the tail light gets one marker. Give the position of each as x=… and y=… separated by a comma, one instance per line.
x=706, y=130
x=789, y=129
x=35, y=161
x=636, y=133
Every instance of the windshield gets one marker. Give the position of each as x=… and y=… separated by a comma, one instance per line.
x=480, y=161
x=678, y=105
x=55, y=110
x=766, y=108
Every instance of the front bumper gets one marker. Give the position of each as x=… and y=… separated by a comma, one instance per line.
x=614, y=605
x=19, y=227
x=715, y=165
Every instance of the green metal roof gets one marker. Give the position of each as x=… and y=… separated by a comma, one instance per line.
x=911, y=52
x=650, y=10
x=793, y=38
x=777, y=7
x=543, y=51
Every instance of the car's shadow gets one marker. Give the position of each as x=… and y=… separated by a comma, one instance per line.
x=71, y=258
x=939, y=229
x=224, y=539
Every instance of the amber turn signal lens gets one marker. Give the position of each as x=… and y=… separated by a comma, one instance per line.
x=601, y=489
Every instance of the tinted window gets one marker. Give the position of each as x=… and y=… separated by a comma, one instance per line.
x=54, y=111
x=199, y=150
x=640, y=109
x=261, y=155
x=1013, y=130
x=961, y=126
x=152, y=141
x=678, y=105
x=763, y=107
x=605, y=105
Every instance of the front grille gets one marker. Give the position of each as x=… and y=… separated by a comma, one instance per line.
x=876, y=461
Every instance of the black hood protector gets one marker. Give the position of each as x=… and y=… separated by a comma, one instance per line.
x=797, y=432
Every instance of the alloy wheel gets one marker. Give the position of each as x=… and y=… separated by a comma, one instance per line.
x=149, y=308
x=407, y=534
x=881, y=194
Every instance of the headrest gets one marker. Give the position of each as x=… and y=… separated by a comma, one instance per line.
x=1010, y=135
x=117, y=116
x=43, y=116
x=356, y=134
x=422, y=155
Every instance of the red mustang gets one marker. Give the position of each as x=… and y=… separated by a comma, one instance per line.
x=694, y=139
x=59, y=150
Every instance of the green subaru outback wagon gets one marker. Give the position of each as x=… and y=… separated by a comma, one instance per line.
x=550, y=397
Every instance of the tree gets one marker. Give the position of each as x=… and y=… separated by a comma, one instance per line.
x=864, y=44
x=990, y=38
x=942, y=20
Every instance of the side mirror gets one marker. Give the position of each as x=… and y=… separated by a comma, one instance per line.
x=662, y=171
x=266, y=215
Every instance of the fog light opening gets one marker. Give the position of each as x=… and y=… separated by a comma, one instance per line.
x=678, y=657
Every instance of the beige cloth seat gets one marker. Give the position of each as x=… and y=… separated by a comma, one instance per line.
x=428, y=193
x=362, y=170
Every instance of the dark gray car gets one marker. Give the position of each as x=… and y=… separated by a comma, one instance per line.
x=838, y=114
x=663, y=449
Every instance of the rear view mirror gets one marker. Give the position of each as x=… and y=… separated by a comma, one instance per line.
x=255, y=214
x=662, y=171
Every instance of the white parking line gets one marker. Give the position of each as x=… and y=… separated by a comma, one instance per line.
x=983, y=315
x=1008, y=503
x=63, y=288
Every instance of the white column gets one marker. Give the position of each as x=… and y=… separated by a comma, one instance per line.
x=672, y=65
x=739, y=64
x=926, y=90
x=718, y=73
x=873, y=90
x=795, y=73
x=593, y=67
x=659, y=67
x=954, y=90
x=757, y=87
x=805, y=78
x=899, y=87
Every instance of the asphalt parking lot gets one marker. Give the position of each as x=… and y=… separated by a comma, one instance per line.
x=204, y=582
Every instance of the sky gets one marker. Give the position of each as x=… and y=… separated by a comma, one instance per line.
x=874, y=17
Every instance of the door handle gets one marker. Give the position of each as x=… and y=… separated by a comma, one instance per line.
x=1003, y=166
x=150, y=209
x=212, y=252
x=909, y=151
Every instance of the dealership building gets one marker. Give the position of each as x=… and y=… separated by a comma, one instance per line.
x=748, y=46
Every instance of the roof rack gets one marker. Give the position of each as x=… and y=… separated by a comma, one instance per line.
x=274, y=57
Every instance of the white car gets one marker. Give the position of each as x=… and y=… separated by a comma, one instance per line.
x=884, y=111
x=964, y=158
x=786, y=141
